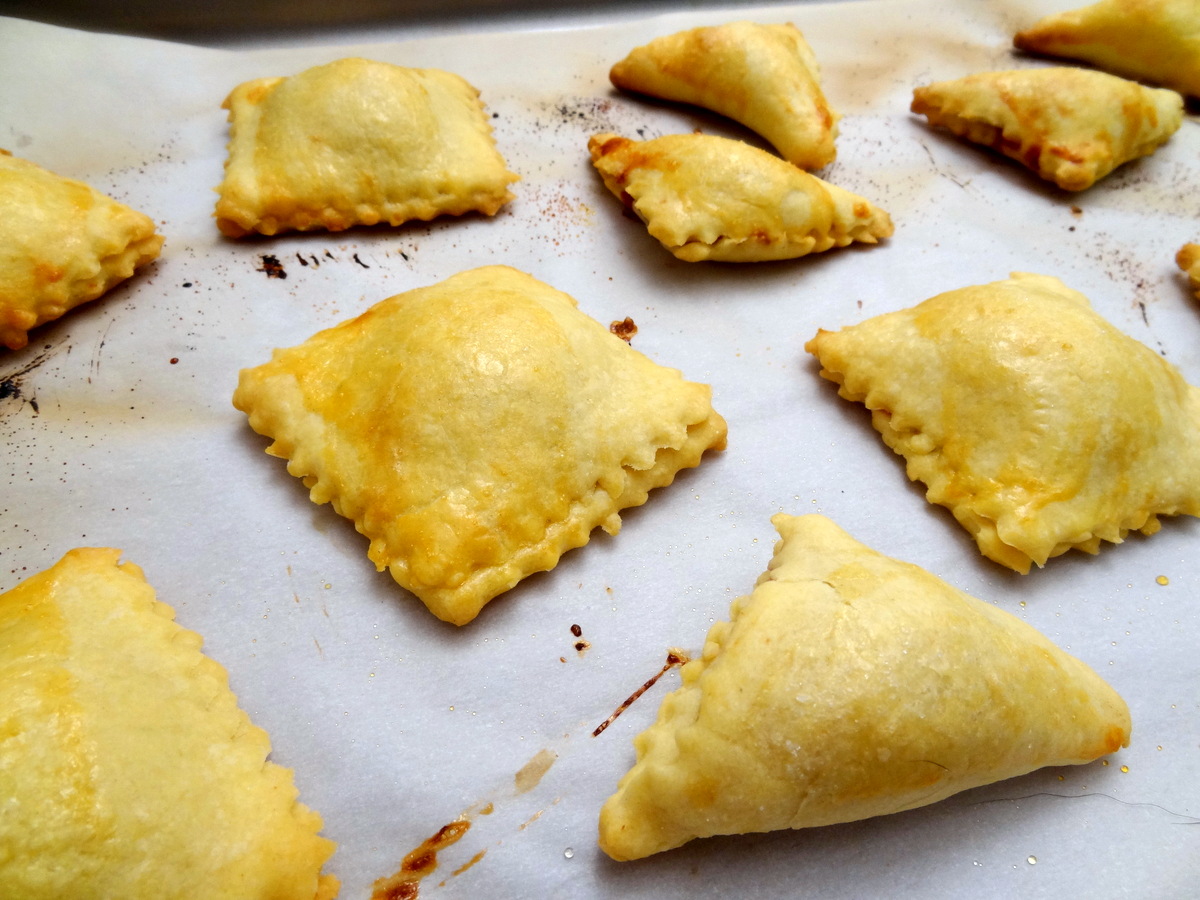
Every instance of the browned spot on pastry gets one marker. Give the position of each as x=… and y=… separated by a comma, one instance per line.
x=272, y=266
x=675, y=657
x=405, y=883
x=625, y=330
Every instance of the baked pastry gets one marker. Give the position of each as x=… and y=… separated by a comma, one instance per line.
x=1151, y=40
x=62, y=243
x=1188, y=259
x=1036, y=422
x=127, y=768
x=477, y=429
x=764, y=76
x=1071, y=126
x=711, y=198
x=851, y=685
x=357, y=142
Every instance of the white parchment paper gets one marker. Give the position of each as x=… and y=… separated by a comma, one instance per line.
x=118, y=431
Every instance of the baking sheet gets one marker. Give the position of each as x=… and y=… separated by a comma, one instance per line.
x=118, y=431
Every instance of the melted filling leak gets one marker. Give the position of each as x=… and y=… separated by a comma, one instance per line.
x=405, y=884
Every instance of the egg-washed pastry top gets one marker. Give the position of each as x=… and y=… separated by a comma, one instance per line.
x=62, y=243
x=476, y=429
x=1151, y=40
x=850, y=685
x=711, y=198
x=127, y=769
x=1036, y=422
x=357, y=142
x=764, y=76
x=1071, y=126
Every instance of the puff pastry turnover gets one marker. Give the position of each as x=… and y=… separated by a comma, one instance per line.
x=850, y=685
x=126, y=767
x=764, y=76
x=711, y=198
x=1071, y=126
x=357, y=142
x=1151, y=40
x=62, y=243
x=1188, y=259
x=1036, y=422
x=477, y=429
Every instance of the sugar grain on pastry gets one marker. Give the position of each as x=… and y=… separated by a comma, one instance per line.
x=477, y=429
x=849, y=685
x=127, y=769
x=1071, y=126
x=1151, y=40
x=62, y=243
x=357, y=142
x=1036, y=422
x=764, y=76
x=711, y=198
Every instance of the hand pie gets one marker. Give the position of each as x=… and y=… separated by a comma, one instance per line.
x=62, y=243
x=711, y=198
x=476, y=430
x=1038, y=424
x=1188, y=259
x=357, y=142
x=1153, y=40
x=763, y=76
x=126, y=767
x=1071, y=126
x=851, y=685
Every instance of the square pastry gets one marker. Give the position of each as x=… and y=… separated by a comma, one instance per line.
x=1036, y=422
x=62, y=243
x=476, y=429
x=357, y=142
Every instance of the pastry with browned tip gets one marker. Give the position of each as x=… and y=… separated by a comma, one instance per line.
x=1188, y=259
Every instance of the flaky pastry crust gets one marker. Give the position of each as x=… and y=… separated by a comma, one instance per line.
x=711, y=198
x=357, y=142
x=850, y=685
x=126, y=767
x=62, y=243
x=764, y=76
x=1037, y=423
x=1071, y=126
x=477, y=429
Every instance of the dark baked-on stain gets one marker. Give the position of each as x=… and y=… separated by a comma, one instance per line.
x=406, y=883
x=625, y=329
x=272, y=266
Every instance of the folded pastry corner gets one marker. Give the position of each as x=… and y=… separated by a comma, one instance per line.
x=1037, y=423
x=764, y=76
x=849, y=685
x=1150, y=40
x=127, y=768
x=1188, y=259
x=62, y=243
x=477, y=429
x=711, y=198
x=357, y=142
x=1070, y=126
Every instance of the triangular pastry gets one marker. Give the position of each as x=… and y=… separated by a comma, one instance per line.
x=1151, y=40
x=1071, y=126
x=62, y=243
x=1188, y=259
x=357, y=142
x=126, y=767
x=477, y=429
x=1036, y=422
x=712, y=198
x=764, y=76
x=851, y=685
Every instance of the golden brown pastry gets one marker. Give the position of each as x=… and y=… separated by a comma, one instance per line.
x=850, y=685
x=1188, y=259
x=1071, y=126
x=1037, y=423
x=126, y=767
x=356, y=142
x=62, y=243
x=477, y=429
x=1151, y=40
x=711, y=198
x=763, y=76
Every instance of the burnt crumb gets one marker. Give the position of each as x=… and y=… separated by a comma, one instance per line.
x=625, y=330
x=360, y=262
x=272, y=266
x=577, y=631
x=580, y=646
x=187, y=284
x=174, y=360
x=1076, y=211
